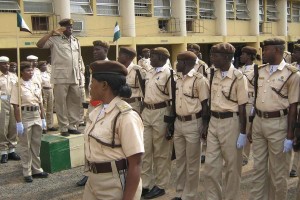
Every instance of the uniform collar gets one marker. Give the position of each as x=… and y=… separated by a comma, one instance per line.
x=112, y=104
x=129, y=68
x=281, y=65
x=229, y=72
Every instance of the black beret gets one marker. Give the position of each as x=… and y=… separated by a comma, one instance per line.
x=128, y=50
x=41, y=63
x=186, y=55
x=297, y=47
x=24, y=65
x=225, y=48
x=161, y=51
x=101, y=43
x=273, y=41
x=108, y=67
x=193, y=46
x=66, y=22
x=249, y=50
x=145, y=50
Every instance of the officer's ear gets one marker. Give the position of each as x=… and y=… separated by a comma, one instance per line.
x=105, y=85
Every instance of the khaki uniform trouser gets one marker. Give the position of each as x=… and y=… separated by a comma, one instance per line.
x=8, y=131
x=30, y=143
x=221, y=145
x=48, y=106
x=270, y=163
x=187, y=149
x=246, y=149
x=67, y=105
x=296, y=161
x=158, y=150
x=82, y=100
x=298, y=188
x=106, y=186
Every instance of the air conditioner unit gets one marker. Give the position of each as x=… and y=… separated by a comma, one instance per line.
x=78, y=26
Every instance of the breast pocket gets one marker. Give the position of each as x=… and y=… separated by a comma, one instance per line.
x=279, y=90
x=60, y=73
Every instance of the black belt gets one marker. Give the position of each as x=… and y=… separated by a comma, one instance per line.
x=157, y=105
x=274, y=114
x=189, y=117
x=222, y=115
x=97, y=168
x=30, y=108
x=133, y=99
x=47, y=88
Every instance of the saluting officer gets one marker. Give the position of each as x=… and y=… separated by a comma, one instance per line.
x=126, y=56
x=227, y=126
x=276, y=108
x=8, y=131
x=157, y=104
x=192, y=93
x=144, y=62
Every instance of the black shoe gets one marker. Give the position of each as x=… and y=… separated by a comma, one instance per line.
x=44, y=131
x=154, y=192
x=75, y=132
x=65, y=134
x=82, y=124
x=40, y=175
x=4, y=158
x=83, y=181
x=28, y=179
x=144, y=191
x=52, y=129
x=203, y=159
x=293, y=173
x=13, y=156
x=176, y=198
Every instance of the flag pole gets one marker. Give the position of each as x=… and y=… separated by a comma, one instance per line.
x=117, y=50
x=19, y=73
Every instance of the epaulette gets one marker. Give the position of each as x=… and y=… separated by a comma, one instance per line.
x=123, y=106
x=287, y=53
x=292, y=68
x=202, y=62
x=238, y=73
x=136, y=67
x=262, y=66
x=198, y=75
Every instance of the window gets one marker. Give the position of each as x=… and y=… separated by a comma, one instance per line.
x=242, y=12
x=261, y=11
x=39, y=6
x=163, y=25
x=289, y=18
x=272, y=11
x=142, y=8
x=296, y=12
x=81, y=7
x=40, y=23
x=229, y=9
x=207, y=10
x=162, y=8
x=191, y=9
x=108, y=7
x=9, y=6
x=78, y=26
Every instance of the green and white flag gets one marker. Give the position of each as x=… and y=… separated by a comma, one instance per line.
x=117, y=32
x=22, y=24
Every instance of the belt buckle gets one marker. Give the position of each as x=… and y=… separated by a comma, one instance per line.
x=182, y=118
x=266, y=115
x=93, y=168
x=152, y=106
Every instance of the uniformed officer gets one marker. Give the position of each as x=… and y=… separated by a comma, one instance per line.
x=192, y=93
x=276, y=109
x=30, y=124
x=227, y=126
x=8, y=131
x=157, y=105
x=126, y=56
x=200, y=65
x=82, y=95
x=13, y=68
x=47, y=92
x=65, y=76
x=36, y=72
x=144, y=62
x=249, y=54
x=113, y=137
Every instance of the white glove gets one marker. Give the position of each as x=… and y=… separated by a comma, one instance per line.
x=20, y=128
x=44, y=124
x=241, y=142
x=288, y=145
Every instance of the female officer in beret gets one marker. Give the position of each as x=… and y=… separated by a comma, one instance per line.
x=113, y=137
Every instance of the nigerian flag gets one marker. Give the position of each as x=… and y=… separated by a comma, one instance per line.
x=117, y=33
x=22, y=24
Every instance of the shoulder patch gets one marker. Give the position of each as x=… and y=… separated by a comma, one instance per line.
x=136, y=67
x=238, y=73
x=292, y=68
x=123, y=106
x=198, y=75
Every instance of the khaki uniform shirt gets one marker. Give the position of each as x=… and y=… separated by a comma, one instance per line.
x=267, y=99
x=133, y=81
x=145, y=63
x=248, y=72
x=30, y=93
x=191, y=90
x=157, y=88
x=221, y=86
x=65, y=58
x=6, y=84
x=45, y=79
x=200, y=64
x=129, y=133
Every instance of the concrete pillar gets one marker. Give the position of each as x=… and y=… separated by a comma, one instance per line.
x=128, y=18
x=282, y=15
x=253, y=6
x=62, y=8
x=176, y=48
x=220, y=13
x=179, y=11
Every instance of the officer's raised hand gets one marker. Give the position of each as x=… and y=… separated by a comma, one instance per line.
x=59, y=31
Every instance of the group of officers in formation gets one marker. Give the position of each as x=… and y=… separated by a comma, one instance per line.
x=228, y=107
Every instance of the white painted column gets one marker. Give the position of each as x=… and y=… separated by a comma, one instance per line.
x=253, y=6
x=62, y=8
x=178, y=10
x=282, y=15
x=220, y=13
x=128, y=18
